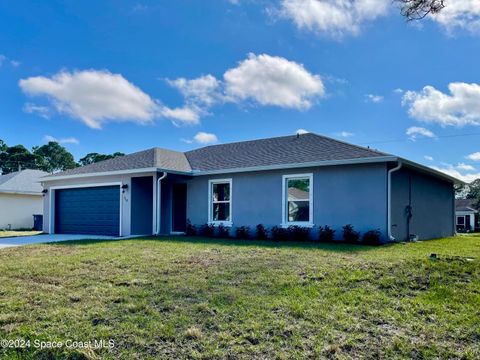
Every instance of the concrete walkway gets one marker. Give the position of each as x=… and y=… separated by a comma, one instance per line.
x=38, y=239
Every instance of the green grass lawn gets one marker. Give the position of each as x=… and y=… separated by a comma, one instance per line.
x=199, y=298
x=15, y=233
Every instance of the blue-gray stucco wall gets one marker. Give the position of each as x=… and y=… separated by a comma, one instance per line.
x=142, y=205
x=353, y=194
x=432, y=205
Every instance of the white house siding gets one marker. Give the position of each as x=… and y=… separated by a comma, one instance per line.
x=96, y=181
x=17, y=210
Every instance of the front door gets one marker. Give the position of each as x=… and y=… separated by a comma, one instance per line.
x=179, y=207
x=467, y=223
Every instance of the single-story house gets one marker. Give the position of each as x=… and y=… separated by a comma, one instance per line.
x=307, y=180
x=466, y=215
x=20, y=198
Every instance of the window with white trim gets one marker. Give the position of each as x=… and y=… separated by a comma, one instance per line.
x=220, y=201
x=298, y=199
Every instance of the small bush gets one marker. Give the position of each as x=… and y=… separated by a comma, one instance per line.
x=299, y=233
x=193, y=333
x=190, y=230
x=242, y=232
x=207, y=230
x=326, y=234
x=372, y=237
x=280, y=234
x=261, y=233
x=223, y=231
x=350, y=235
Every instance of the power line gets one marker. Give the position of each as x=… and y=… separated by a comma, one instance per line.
x=417, y=139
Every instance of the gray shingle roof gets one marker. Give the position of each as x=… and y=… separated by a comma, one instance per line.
x=151, y=158
x=276, y=151
x=464, y=205
x=25, y=181
x=305, y=148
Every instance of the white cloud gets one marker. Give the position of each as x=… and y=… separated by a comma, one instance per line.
x=94, y=97
x=181, y=115
x=373, y=98
x=259, y=79
x=272, y=80
x=43, y=111
x=398, y=91
x=68, y=140
x=203, y=90
x=333, y=18
x=459, y=14
x=205, y=138
x=301, y=131
x=460, y=107
x=345, y=134
x=5, y=59
x=450, y=170
x=466, y=167
x=415, y=132
x=474, y=156
x=428, y=157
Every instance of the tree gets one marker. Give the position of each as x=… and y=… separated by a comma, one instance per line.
x=3, y=146
x=469, y=191
x=16, y=158
x=474, y=192
x=419, y=9
x=92, y=158
x=53, y=157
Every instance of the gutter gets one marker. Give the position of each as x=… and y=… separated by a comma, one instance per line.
x=158, y=204
x=389, y=200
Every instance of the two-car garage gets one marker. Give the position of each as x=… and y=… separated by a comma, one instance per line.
x=87, y=210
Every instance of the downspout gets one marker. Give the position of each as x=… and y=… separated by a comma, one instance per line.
x=389, y=201
x=158, y=202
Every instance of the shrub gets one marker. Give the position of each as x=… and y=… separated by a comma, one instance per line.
x=190, y=230
x=326, y=234
x=207, y=230
x=299, y=233
x=280, y=234
x=242, y=232
x=223, y=231
x=350, y=235
x=261, y=232
x=372, y=237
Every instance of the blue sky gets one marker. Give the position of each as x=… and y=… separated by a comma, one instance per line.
x=129, y=75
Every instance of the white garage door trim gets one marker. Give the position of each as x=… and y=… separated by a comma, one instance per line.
x=51, y=200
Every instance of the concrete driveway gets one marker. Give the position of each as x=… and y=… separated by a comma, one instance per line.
x=38, y=239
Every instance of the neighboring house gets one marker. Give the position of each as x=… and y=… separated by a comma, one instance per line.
x=306, y=180
x=20, y=198
x=466, y=215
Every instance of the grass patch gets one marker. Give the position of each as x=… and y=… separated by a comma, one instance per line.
x=208, y=298
x=8, y=233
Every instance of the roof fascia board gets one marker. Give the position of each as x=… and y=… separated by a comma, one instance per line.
x=95, y=174
x=431, y=171
x=376, y=159
x=16, y=192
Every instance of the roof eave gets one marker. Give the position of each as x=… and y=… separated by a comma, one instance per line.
x=18, y=192
x=368, y=160
x=95, y=174
x=432, y=171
